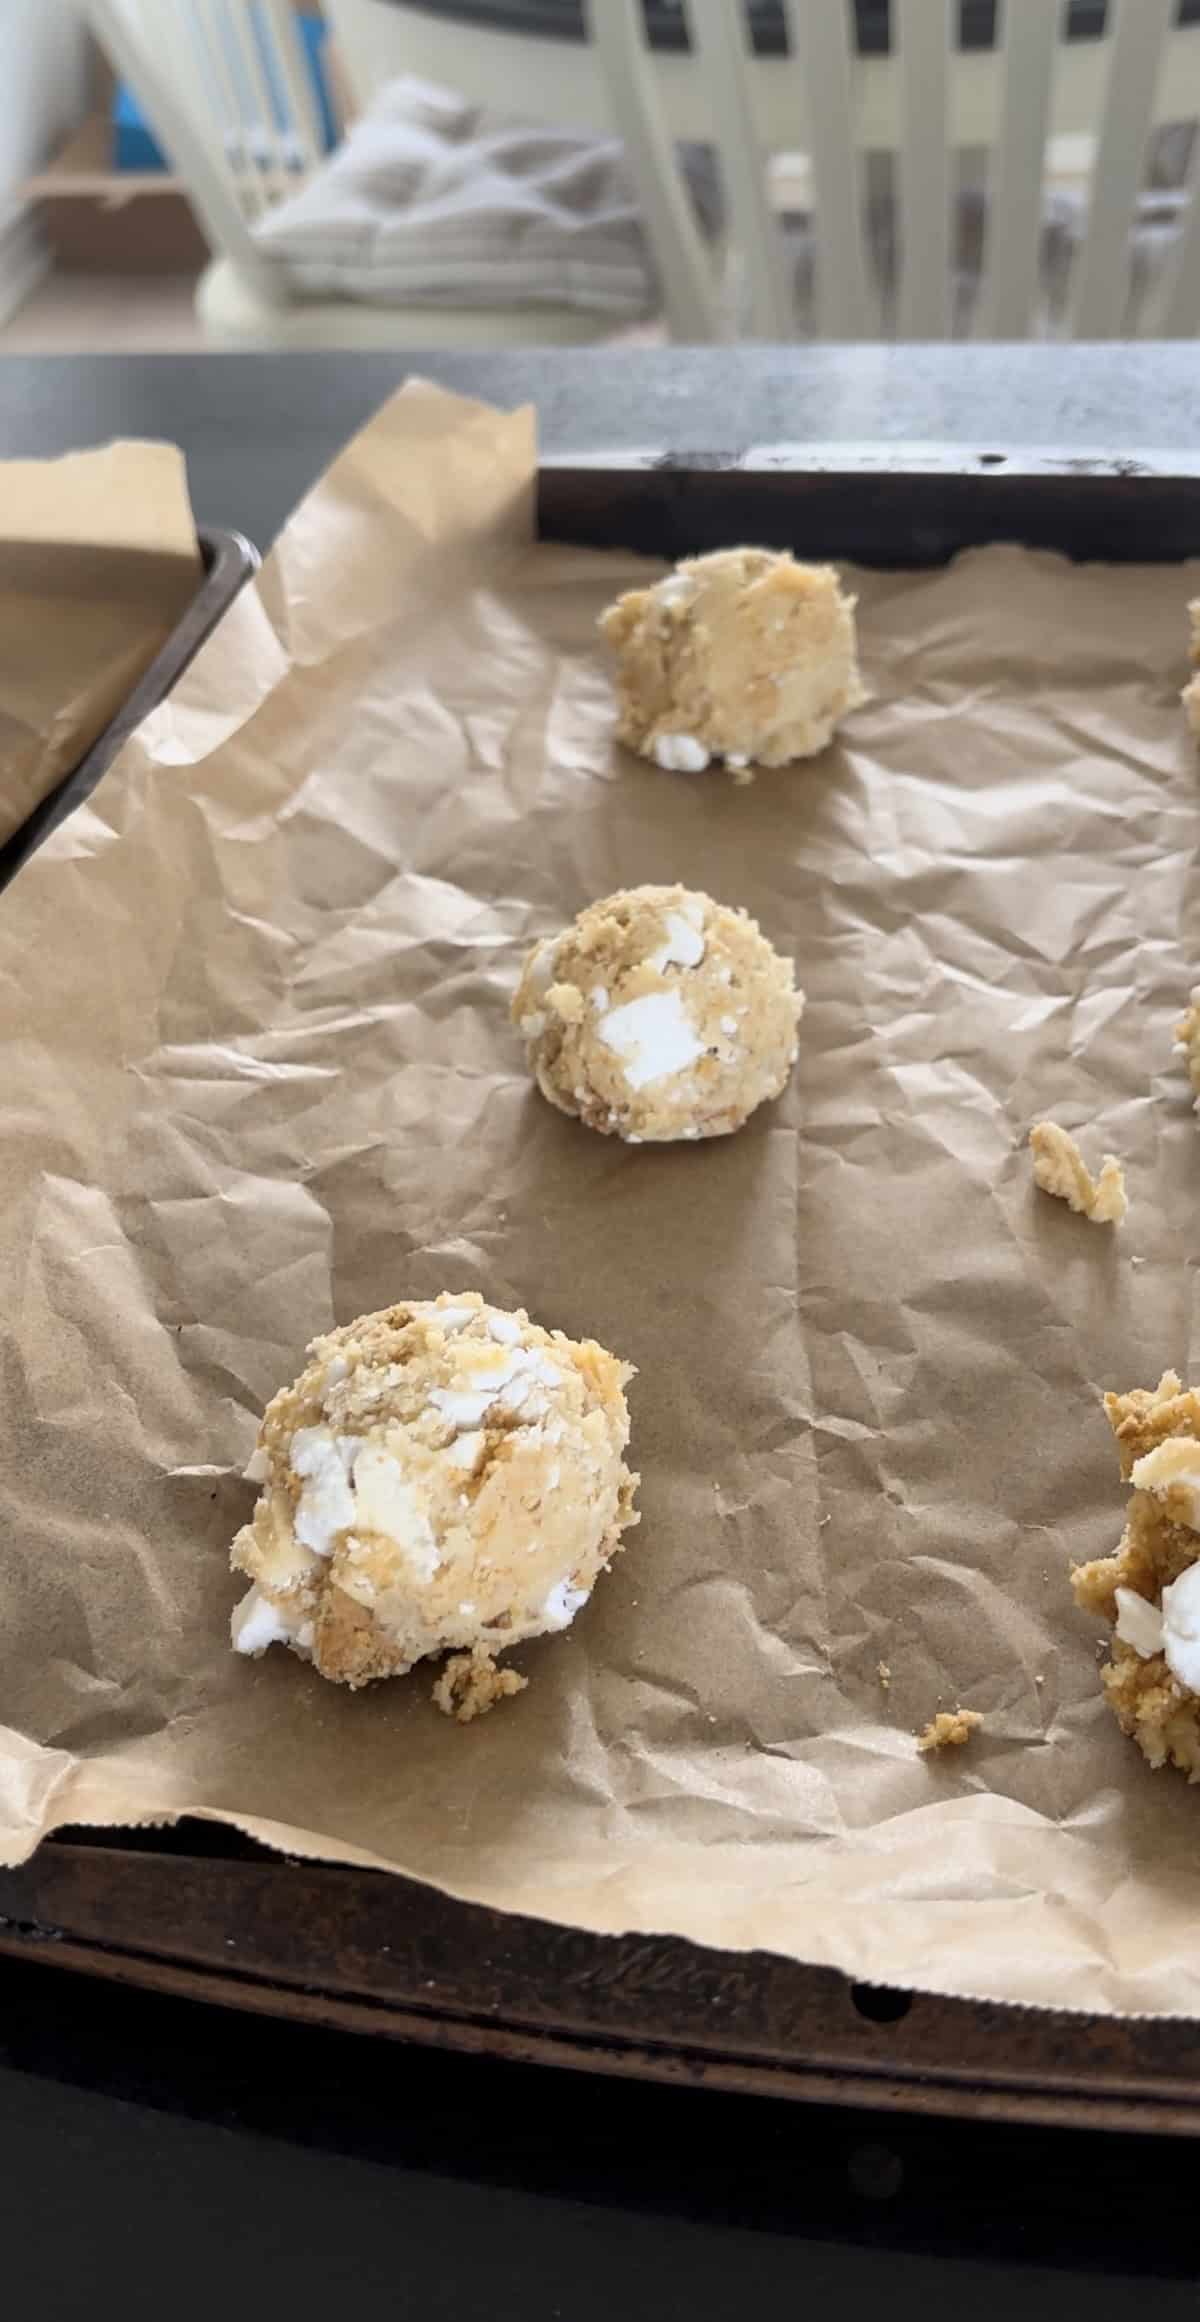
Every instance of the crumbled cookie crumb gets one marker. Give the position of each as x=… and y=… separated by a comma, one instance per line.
x=471, y=1684
x=1059, y=1168
x=885, y=1675
x=950, y=1728
x=1187, y=1030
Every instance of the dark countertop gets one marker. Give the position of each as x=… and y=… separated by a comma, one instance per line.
x=155, y=2148
x=257, y=429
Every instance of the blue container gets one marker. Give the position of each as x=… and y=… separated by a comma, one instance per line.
x=136, y=147
x=134, y=144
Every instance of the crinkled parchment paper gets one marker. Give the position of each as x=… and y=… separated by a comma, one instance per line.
x=258, y=1077
x=98, y=561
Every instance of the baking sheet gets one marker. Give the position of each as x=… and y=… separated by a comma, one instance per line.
x=98, y=562
x=262, y=1079
x=227, y=559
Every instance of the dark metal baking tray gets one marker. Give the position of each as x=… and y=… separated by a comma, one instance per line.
x=202, y=1912
x=228, y=561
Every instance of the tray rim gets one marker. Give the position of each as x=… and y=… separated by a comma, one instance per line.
x=915, y=456
x=114, y=1914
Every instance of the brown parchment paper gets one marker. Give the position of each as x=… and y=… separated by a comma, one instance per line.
x=258, y=1076
x=98, y=560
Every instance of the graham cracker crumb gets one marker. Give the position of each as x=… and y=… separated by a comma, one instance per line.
x=566, y=1001
x=1059, y=1168
x=1187, y=1030
x=471, y=1684
x=950, y=1728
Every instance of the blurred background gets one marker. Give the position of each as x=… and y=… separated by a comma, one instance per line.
x=182, y=174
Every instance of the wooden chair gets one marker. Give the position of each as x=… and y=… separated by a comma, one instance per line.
x=1037, y=103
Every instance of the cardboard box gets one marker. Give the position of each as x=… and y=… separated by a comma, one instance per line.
x=101, y=220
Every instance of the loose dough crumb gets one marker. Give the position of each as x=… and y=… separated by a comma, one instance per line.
x=444, y=1476
x=1187, y=1031
x=471, y=1684
x=1159, y=1426
x=885, y=1675
x=1190, y=696
x=1059, y=1168
x=658, y=1014
x=949, y=1729
x=743, y=655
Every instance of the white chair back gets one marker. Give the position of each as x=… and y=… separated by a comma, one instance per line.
x=225, y=86
x=1148, y=70
x=924, y=103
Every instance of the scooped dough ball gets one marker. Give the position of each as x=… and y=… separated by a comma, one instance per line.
x=659, y=1014
x=1150, y=1589
x=442, y=1476
x=743, y=655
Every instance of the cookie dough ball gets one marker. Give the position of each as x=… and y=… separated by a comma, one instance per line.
x=743, y=655
x=659, y=1014
x=1150, y=1590
x=442, y=1477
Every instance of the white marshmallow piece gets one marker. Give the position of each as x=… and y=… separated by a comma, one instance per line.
x=256, y=1623
x=1181, y=1627
x=507, y=1383
x=1172, y=1472
x=684, y=946
x=653, y=1036
x=386, y=1502
x=680, y=754
x=465, y=1450
x=451, y=1318
x=562, y=1604
x=675, y=591
x=464, y=1407
x=1139, y=1623
x=326, y=1504
x=1174, y=1632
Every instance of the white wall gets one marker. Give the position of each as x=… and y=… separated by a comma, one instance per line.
x=43, y=93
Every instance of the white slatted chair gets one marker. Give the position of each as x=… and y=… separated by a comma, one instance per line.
x=225, y=87
x=1036, y=103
